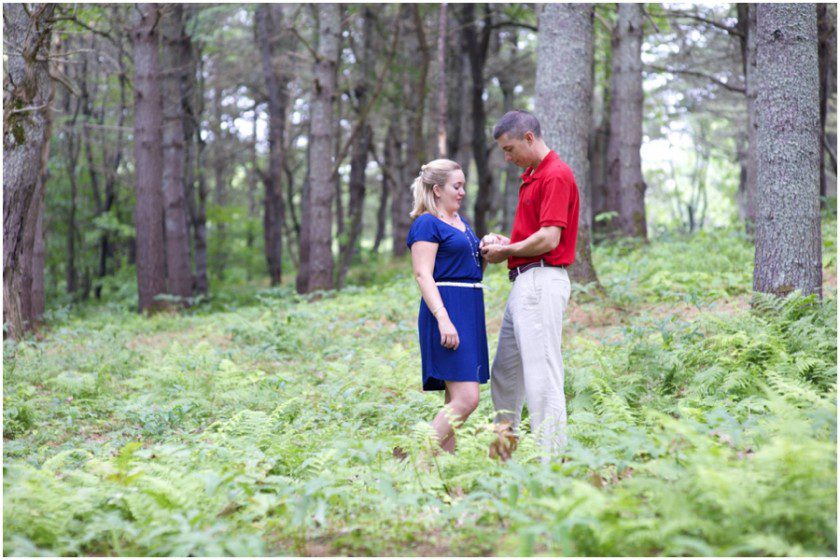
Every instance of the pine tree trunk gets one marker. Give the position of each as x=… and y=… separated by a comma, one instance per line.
x=563, y=102
x=382, y=210
x=402, y=146
x=302, y=280
x=600, y=140
x=38, y=253
x=71, y=160
x=455, y=92
x=746, y=22
x=826, y=29
x=624, y=170
x=148, y=120
x=202, y=191
x=179, y=275
x=219, y=156
x=788, y=245
x=27, y=92
x=361, y=148
x=441, y=83
x=106, y=247
x=476, y=46
x=321, y=157
x=37, y=299
x=270, y=34
x=507, y=83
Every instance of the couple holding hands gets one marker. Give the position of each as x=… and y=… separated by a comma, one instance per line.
x=449, y=261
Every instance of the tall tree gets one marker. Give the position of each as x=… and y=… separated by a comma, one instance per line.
x=148, y=156
x=200, y=192
x=406, y=142
x=747, y=27
x=321, y=187
x=788, y=245
x=624, y=168
x=362, y=92
x=26, y=97
x=599, y=143
x=827, y=31
x=507, y=83
x=564, y=105
x=32, y=296
x=270, y=28
x=476, y=43
x=219, y=165
x=70, y=106
x=178, y=272
x=441, y=84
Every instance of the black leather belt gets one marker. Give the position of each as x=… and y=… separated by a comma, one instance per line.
x=514, y=272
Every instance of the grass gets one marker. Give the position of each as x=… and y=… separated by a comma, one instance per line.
x=262, y=423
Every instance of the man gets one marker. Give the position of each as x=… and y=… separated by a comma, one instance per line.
x=528, y=367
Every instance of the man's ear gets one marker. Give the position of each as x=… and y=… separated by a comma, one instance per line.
x=529, y=137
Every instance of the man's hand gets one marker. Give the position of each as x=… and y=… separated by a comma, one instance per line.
x=495, y=253
x=505, y=443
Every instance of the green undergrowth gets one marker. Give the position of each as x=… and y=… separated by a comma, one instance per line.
x=268, y=428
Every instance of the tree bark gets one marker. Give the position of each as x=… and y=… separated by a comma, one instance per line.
x=26, y=98
x=106, y=249
x=199, y=205
x=624, y=169
x=476, y=45
x=271, y=38
x=219, y=156
x=747, y=27
x=32, y=294
x=71, y=160
x=320, y=158
x=38, y=251
x=179, y=275
x=148, y=119
x=507, y=83
x=441, y=99
x=600, y=197
x=382, y=210
x=361, y=148
x=404, y=153
x=302, y=280
x=788, y=244
x=564, y=106
x=827, y=34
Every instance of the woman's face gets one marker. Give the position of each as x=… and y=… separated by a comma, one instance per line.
x=452, y=193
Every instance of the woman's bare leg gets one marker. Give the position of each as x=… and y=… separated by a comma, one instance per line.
x=460, y=401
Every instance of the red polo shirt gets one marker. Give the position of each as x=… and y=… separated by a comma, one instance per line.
x=547, y=197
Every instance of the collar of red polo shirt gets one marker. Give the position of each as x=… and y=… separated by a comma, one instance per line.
x=532, y=174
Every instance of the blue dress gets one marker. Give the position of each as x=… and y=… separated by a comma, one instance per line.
x=458, y=259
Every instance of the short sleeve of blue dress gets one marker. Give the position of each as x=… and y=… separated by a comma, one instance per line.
x=458, y=260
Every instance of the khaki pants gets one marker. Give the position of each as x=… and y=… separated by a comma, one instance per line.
x=528, y=367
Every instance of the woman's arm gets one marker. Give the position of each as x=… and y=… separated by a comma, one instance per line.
x=423, y=261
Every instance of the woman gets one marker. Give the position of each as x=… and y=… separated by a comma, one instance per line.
x=448, y=268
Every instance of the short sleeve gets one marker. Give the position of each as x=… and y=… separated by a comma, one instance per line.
x=554, y=204
x=424, y=228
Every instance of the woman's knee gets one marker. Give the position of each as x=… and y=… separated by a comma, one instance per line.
x=465, y=402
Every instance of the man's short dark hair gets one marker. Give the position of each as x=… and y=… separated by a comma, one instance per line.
x=516, y=123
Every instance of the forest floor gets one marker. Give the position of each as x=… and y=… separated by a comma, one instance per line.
x=263, y=423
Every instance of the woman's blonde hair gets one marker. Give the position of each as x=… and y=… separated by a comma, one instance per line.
x=436, y=172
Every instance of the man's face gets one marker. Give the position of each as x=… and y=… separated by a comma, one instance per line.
x=517, y=150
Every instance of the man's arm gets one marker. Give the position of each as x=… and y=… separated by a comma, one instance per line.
x=540, y=242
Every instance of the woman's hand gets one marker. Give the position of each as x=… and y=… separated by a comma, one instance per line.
x=494, y=239
x=448, y=334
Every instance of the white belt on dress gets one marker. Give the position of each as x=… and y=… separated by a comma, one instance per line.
x=462, y=284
